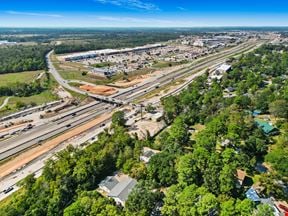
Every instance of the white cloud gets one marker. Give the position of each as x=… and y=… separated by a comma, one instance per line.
x=131, y=4
x=33, y=14
x=182, y=8
x=133, y=20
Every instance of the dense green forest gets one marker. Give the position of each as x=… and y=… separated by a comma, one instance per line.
x=22, y=89
x=193, y=174
x=20, y=58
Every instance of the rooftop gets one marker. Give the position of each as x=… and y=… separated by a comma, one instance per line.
x=252, y=195
x=123, y=188
x=224, y=67
x=241, y=174
x=265, y=126
x=110, y=182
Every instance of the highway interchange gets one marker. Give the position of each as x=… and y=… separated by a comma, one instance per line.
x=83, y=114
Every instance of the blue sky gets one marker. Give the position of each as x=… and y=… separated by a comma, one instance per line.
x=142, y=13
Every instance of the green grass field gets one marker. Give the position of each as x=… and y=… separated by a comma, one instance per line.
x=164, y=64
x=103, y=64
x=2, y=100
x=73, y=71
x=44, y=97
x=7, y=79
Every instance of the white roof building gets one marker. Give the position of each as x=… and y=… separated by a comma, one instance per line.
x=147, y=153
x=224, y=68
x=95, y=53
x=118, y=187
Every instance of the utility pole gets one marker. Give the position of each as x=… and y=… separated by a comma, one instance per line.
x=141, y=109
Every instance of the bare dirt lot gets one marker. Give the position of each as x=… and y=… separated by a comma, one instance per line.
x=146, y=125
x=130, y=82
x=30, y=155
x=99, y=89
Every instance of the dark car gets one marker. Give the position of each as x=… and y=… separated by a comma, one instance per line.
x=8, y=190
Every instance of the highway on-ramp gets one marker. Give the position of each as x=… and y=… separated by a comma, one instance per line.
x=71, y=120
x=82, y=115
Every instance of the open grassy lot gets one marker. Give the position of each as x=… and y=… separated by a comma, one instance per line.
x=26, y=77
x=39, y=99
x=164, y=64
x=7, y=79
x=103, y=64
x=44, y=97
x=2, y=100
x=74, y=71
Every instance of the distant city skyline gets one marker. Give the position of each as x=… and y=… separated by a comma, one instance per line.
x=142, y=13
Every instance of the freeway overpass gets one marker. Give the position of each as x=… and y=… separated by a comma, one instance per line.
x=68, y=120
x=66, y=85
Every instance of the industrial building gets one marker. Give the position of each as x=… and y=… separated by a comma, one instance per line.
x=96, y=53
x=103, y=72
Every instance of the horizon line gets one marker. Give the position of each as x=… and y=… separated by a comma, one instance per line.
x=90, y=27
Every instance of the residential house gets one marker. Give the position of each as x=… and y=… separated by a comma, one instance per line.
x=108, y=183
x=241, y=177
x=117, y=187
x=147, y=153
x=267, y=128
x=252, y=195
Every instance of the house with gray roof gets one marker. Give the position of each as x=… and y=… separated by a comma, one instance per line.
x=108, y=184
x=147, y=153
x=118, y=187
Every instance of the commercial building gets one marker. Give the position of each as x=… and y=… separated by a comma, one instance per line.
x=96, y=53
x=103, y=72
x=224, y=68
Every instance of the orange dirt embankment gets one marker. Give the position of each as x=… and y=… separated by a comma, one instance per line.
x=99, y=89
x=36, y=152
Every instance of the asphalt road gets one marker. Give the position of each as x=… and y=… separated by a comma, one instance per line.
x=166, y=79
x=78, y=116
x=41, y=133
x=85, y=113
x=66, y=85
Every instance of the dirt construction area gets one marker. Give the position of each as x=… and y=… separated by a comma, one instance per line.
x=99, y=89
x=131, y=82
x=143, y=126
x=30, y=155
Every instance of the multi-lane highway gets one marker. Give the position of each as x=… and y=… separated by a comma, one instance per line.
x=83, y=114
x=165, y=79
x=86, y=113
x=43, y=132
